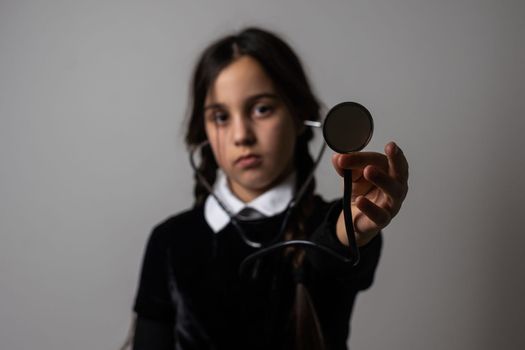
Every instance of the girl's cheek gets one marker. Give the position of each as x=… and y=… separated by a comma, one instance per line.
x=215, y=136
x=219, y=156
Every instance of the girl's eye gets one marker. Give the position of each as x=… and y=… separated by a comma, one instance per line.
x=262, y=110
x=219, y=117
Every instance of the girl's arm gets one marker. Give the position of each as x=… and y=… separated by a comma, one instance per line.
x=154, y=328
x=357, y=277
x=150, y=334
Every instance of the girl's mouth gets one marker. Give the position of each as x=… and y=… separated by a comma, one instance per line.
x=248, y=161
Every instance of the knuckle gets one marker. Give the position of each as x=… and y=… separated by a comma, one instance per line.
x=385, y=220
x=397, y=192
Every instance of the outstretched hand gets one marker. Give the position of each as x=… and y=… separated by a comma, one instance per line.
x=379, y=187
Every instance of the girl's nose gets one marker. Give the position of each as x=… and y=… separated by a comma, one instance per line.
x=243, y=134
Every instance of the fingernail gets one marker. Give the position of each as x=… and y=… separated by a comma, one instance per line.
x=394, y=148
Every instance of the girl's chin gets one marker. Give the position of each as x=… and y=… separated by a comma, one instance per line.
x=253, y=185
x=256, y=180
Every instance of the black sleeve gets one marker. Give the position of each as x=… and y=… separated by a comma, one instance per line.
x=153, y=299
x=360, y=276
x=153, y=335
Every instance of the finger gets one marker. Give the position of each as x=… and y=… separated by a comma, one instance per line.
x=390, y=186
x=379, y=216
x=397, y=162
x=361, y=159
x=356, y=173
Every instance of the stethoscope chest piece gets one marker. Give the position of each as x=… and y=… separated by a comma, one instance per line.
x=348, y=127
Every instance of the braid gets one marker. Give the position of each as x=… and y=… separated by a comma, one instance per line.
x=304, y=165
x=208, y=169
x=297, y=229
x=306, y=326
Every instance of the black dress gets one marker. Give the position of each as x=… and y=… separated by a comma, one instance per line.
x=191, y=296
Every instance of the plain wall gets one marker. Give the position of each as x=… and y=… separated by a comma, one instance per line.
x=92, y=100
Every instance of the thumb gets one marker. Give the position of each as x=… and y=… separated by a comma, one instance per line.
x=335, y=163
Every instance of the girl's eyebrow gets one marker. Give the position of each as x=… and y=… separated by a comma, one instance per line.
x=250, y=99
x=213, y=106
x=262, y=95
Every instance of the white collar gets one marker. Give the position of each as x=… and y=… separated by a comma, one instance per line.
x=270, y=203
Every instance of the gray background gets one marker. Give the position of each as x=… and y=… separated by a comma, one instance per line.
x=92, y=100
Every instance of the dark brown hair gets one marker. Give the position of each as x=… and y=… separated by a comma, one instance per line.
x=285, y=70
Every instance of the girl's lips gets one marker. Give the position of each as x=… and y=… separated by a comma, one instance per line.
x=248, y=161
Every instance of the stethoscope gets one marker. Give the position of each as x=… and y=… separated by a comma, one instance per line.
x=347, y=127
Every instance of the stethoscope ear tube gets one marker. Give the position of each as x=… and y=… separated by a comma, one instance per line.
x=291, y=205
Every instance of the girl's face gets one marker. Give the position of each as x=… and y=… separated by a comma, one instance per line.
x=251, y=132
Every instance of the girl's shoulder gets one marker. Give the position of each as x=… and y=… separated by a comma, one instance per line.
x=186, y=217
x=175, y=228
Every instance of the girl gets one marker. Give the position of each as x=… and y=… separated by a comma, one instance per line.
x=250, y=98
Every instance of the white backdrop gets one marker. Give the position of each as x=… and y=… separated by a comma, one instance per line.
x=92, y=100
